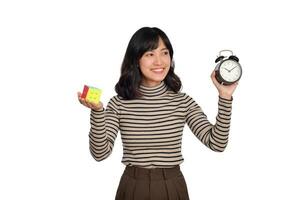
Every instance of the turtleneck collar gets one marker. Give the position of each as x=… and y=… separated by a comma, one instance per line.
x=153, y=91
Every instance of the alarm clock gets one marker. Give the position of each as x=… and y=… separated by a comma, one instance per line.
x=228, y=69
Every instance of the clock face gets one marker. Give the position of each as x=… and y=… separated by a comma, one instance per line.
x=230, y=70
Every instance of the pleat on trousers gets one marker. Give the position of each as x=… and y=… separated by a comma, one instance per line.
x=152, y=184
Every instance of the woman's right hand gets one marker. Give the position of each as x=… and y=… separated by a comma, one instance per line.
x=95, y=106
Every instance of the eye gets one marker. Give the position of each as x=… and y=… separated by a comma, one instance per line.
x=166, y=52
x=149, y=54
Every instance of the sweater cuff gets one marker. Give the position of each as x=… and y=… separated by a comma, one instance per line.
x=226, y=100
x=97, y=111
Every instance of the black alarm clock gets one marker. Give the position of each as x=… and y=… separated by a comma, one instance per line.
x=228, y=69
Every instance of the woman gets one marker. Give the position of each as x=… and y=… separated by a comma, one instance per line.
x=150, y=112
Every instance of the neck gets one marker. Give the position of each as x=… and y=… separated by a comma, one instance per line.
x=153, y=91
x=150, y=83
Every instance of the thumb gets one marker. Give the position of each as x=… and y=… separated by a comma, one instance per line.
x=213, y=78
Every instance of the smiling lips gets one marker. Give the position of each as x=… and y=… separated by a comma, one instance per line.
x=157, y=70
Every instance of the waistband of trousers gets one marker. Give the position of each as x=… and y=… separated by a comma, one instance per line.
x=153, y=173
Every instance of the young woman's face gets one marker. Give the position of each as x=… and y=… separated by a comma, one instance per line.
x=155, y=65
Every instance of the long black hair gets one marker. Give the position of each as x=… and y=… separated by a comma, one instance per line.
x=143, y=40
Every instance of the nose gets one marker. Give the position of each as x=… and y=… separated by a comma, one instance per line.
x=158, y=60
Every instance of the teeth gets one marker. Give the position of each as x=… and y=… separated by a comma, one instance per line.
x=158, y=70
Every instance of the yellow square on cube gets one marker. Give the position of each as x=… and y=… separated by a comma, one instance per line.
x=93, y=95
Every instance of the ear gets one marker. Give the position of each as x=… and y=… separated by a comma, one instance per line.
x=219, y=59
x=234, y=58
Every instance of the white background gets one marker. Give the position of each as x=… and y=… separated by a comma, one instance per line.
x=50, y=49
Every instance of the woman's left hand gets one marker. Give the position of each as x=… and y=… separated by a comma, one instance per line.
x=225, y=91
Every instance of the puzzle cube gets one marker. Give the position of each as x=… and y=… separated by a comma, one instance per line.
x=91, y=94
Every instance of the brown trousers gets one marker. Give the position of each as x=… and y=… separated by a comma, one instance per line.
x=152, y=184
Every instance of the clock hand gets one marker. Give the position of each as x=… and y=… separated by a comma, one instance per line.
x=232, y=69
x=227, y=69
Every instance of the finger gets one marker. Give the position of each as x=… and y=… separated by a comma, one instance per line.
x=94, y=105
x=84, y=102
x=234, y=85
x=89, y=104
x=79, y=97
x=213, y=78
x=80, y=100
x=213, y=74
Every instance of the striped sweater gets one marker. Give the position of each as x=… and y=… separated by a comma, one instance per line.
x=151, y=127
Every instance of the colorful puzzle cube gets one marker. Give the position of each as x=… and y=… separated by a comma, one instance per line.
x=91, y=94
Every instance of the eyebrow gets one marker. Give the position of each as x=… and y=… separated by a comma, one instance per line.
x=164, y=49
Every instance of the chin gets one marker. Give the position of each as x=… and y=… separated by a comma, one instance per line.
x=158, y=79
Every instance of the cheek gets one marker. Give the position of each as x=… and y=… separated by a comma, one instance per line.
x=144, y=63
x=167, y=61
x=144, y=67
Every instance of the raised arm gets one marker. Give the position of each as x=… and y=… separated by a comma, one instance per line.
x=104, y=130
x=214, y=136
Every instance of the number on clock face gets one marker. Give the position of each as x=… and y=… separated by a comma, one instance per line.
x=230, y=70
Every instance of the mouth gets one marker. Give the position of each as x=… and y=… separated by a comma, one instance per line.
x=158, y=70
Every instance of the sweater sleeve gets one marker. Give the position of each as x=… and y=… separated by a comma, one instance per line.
x=214, y=136
x=104, y=130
